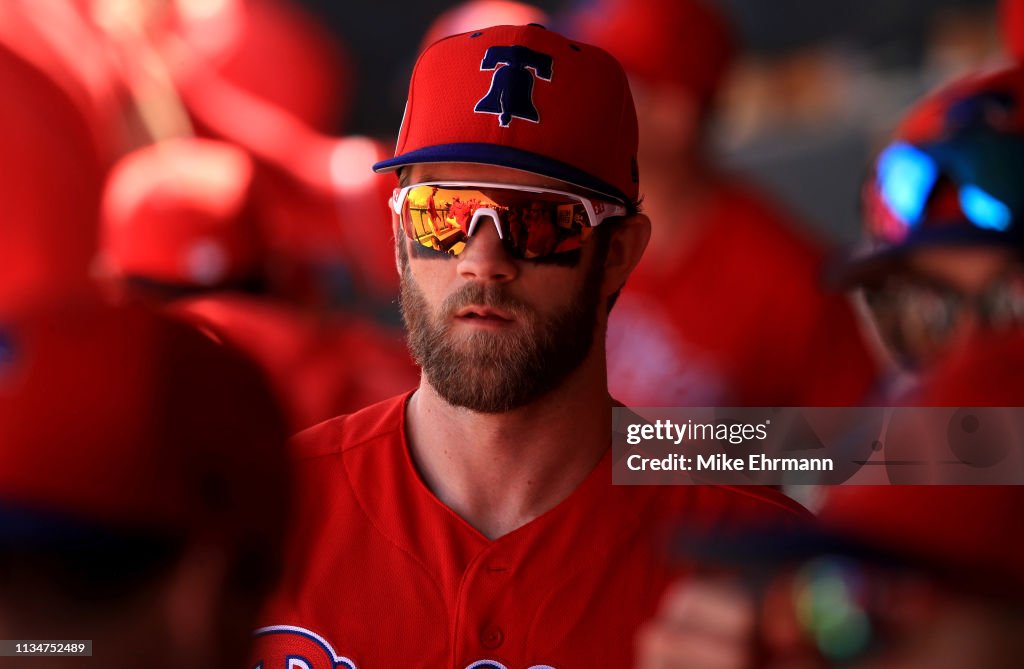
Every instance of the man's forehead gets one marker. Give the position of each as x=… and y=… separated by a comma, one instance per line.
x=429, y=172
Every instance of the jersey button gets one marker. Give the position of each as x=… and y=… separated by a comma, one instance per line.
x=492, y=637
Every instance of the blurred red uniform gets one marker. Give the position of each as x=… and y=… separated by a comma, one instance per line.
x=738, y=319
x=985, y=372
x=171, y=229
x=727, y=305
x=63, y=124
x=322, y=365
x=327, y=227
x=262, y=75
x=144, y=487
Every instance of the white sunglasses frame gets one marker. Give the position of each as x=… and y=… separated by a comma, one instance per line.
x=596, y=215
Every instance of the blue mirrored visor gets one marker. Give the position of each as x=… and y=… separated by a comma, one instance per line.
x=955, y=185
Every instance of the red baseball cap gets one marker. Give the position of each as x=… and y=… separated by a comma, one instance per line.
x=53, y=176
x=952, y=175
x=120, y=419
x=968, y=534
x=684, y=43
x=526, y=98
x=944, y=111
x=179, y=212
x=272, y=49
x=965, y=537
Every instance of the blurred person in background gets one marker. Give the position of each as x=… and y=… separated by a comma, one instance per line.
x=183, y=227
x=890, y=578
x=943, y=206
x=107, y=76
x=280, y=212
x=726, y=307
x=143, y=488
x=262, y=75
x=57, y=131
x=273, y=50
x=181, y=216
x=925, y=576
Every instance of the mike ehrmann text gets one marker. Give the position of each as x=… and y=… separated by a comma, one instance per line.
x=720, y=462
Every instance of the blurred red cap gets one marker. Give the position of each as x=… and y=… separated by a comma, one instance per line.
x=52, y=179
x=966, y=137
x=481, y=14
x=1012, y=21
x=365, y=218
x=966, y=536
x=179, y=212
x=970, y=533
x=684, y=43
x=121, y=419
x=934, y=117
x=274, y=50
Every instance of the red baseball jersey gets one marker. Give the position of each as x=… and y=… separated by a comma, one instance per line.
x=740, y=319
x=380, y=574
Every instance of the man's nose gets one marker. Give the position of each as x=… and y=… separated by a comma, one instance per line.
x=485, y=257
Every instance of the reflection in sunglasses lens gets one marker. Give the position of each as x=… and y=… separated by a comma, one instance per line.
x=531, y=225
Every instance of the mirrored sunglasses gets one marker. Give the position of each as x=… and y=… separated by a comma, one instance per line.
x=532, y=223
x=919, y=317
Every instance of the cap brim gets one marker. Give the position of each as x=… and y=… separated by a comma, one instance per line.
x=865, y=266
x=503, y=156
x=22, y=526
x=763, y=552
x=768, y=548
x=859, y=268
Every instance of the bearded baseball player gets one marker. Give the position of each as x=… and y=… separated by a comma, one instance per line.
x=472, y=523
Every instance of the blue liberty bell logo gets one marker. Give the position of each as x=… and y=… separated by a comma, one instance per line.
x=511, y=92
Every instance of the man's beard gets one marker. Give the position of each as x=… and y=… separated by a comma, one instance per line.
x=495, y=372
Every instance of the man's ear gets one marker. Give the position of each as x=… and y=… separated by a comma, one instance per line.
x=625, y=249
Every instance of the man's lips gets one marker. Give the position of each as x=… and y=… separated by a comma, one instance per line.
x=478, y=312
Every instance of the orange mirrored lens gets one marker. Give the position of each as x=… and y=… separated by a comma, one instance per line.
x=533, y=225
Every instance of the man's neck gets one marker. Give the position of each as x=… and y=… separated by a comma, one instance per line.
x=500, y=471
